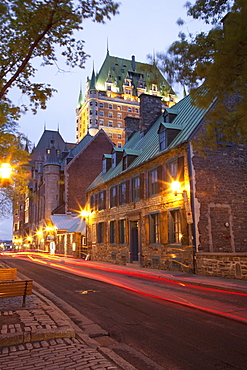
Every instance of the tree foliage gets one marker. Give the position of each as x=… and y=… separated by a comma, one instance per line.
x=36, y=29
x=217, y=60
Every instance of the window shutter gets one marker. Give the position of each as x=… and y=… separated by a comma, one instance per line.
x=147, y=229
x=127, y=191
x=147, y=184
x=96, y=201
x=184, y=228
x=117, y=193
x=141, y=185
x=163, y=227
x=181, y=169
x=160, y=182
x=130, y=190
x=104, y=199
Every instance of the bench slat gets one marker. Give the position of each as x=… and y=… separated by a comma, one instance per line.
x=16, y=288
x=8, y=274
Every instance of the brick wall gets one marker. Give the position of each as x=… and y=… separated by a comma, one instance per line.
x=83, y=169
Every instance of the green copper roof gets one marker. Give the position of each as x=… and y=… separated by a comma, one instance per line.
x=187, y=120
x=115, y=70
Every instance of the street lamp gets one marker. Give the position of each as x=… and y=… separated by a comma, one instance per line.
x=5, y=172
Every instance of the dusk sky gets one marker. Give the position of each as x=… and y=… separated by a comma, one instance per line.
x=143, y=27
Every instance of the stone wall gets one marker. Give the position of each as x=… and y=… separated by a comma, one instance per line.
x=231, y=265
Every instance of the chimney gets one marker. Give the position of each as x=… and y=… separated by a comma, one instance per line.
x=131, y=126
x=133, y=63
x=150, y=110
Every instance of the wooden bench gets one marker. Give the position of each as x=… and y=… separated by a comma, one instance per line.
x=16, y=288
x=8, y=274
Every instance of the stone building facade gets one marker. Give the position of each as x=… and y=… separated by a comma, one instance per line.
x=139, y=217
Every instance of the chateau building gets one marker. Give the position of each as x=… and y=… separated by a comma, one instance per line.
x=158, y=203
x=113, y=93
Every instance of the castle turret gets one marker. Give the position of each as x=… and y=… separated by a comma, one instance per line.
x=51, y=180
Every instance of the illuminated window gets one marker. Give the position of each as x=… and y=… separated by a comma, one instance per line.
x=136, y=188
x=113, y=196
x=175, y=226
x=112, y=232
x=102, y=200
x=154, y=223
x=122, y=231
x=153, y=182
x=123, y=193
x=100, y=232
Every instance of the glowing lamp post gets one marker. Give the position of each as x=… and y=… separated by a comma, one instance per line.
x=5, y=172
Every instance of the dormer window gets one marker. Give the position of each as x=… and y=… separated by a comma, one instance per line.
x=162, y=140
x=106, y=162
x=114, y=160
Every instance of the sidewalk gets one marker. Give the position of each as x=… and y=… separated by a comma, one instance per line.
x=41, y=336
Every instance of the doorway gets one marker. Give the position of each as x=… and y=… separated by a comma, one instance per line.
x=134, y=241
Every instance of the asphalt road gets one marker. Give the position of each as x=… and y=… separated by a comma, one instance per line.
x=174, y=336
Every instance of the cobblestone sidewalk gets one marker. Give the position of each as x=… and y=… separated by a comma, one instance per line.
x=62, y=354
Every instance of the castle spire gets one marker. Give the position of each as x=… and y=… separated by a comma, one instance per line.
x=93, y=80
x=107, y=47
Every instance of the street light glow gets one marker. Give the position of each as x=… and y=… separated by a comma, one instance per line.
x=5, y=170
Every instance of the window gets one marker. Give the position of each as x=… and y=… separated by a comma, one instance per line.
x=119, y=115
x=101, y=105
x=102, y=203
x=136, y=185
x=109, y=88
x=114, y=159
x=101, y=122
x=100, y=232
x=123, y=193
x=119, y=136
x=91, y=112
x=110, y=106
x=119, y=124
x=101, y=114
x=122, y=231
x=110, y=123
x=104, y=167
x=175, y=169
x=113, y=196
x=129, y=109
x=175, y=226
x=162, y=140
x=154, y=222
x=153, y=182
x=137, y=111
x=119, y=107
x=119, y=145
x=112, y=232
x=110, y=115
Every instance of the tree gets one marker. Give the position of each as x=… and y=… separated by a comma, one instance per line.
x=217, y=60
x=34, y=29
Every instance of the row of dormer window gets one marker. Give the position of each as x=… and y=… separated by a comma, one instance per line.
x=154, y=181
